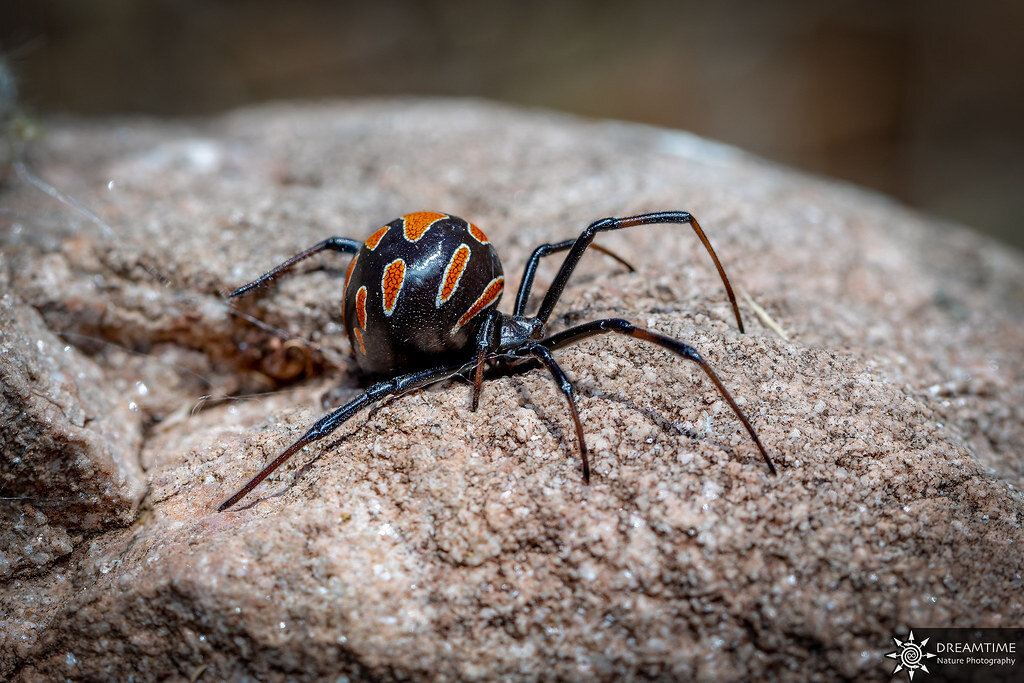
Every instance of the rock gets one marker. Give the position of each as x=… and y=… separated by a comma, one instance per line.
x=428, y=541
x=70, y=445
x=28, y=542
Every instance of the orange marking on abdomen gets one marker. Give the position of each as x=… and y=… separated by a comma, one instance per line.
x=375, y=238
x=391, y=284
x=490, y=295
x=348, y=273
x=361, y=306
x=452, y=275
x=416, y=224
x=477, y=234
x=359, y=338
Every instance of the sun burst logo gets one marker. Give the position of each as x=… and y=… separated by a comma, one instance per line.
x=910, y=656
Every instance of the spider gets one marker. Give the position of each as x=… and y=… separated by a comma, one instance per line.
x=420, y=299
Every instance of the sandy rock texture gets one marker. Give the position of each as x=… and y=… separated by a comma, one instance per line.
x=426, y=541
x=68, y=443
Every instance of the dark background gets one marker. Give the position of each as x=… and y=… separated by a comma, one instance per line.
x=922, y=100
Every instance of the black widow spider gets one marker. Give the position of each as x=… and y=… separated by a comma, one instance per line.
x=419, y=300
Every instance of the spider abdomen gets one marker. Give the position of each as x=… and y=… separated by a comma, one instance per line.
x=415, y=290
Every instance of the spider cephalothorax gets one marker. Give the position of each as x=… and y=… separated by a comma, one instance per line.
x=420, y=306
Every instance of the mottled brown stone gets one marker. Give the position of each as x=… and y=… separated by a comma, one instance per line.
x=428, y=541
x=69, y=446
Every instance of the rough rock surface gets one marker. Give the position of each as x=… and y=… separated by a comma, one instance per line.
x=68, y=444
x=429, y=541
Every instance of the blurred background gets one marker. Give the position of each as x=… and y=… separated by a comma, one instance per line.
x=921, y=100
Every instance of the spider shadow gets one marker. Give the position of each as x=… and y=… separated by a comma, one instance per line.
x=299, y=473
x=565, y=436
x=331, y=399
x=554, y=424
x=668, y=426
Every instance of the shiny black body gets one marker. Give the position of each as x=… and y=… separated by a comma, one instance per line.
x=419, y=333
x=426, y=325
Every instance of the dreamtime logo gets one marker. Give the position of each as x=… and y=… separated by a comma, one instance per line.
x=910, y=656
x=960, y=654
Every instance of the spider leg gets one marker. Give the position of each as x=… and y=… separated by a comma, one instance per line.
x=526, y=284
x=580, y=332
x=605, y=224
x=478, y=377
x=327, y=424
x=570, y=395
x=487, y=340
x=339, y=244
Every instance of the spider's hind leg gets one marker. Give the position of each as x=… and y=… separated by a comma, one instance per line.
x=339, y=244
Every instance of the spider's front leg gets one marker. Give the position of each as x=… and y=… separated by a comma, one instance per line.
x=327, y=424
x=605, y=224
x=576, y=334
x=526, y=284
x=567, y=389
